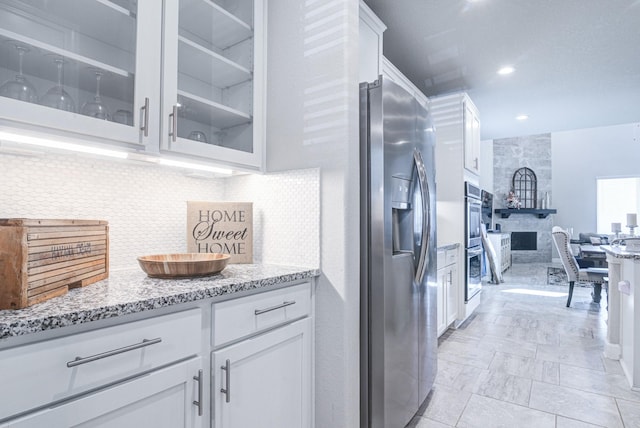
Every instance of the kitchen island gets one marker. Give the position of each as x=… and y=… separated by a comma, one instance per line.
x=623, y=336
x=138, y=351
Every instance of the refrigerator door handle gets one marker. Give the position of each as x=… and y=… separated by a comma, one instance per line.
x=426, y=212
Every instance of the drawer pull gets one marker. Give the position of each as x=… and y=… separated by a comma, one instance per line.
x=227, y=391
x=198, y=402
x=273, y=308
x=84, y=360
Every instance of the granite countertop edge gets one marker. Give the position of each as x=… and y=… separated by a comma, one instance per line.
x=131, y=291
x=619, y=252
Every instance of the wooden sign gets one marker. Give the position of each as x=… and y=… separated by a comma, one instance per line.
x=41, y=259
x=221, y=227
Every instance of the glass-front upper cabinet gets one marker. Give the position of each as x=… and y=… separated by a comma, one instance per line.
x=213, y=81
x=78, y=66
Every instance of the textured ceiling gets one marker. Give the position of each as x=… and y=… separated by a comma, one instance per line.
x=577, y=61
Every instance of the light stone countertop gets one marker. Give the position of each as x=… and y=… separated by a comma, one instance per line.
x=131, y=291
x=620, y=252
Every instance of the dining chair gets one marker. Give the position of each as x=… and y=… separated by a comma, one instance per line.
x=595, y=276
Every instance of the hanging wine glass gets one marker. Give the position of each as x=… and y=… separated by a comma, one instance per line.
x=96, y=108
x=19, y=87
x=198, y=136
x=57, y=97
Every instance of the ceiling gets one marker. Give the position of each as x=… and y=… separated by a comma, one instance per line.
x=577, y=61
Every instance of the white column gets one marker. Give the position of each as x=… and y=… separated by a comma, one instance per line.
x=612, y=345
x=629, y=320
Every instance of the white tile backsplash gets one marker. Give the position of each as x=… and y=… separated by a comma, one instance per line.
x=145, y=205
x=286, y=210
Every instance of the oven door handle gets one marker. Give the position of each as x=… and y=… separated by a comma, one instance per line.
x=426, y=220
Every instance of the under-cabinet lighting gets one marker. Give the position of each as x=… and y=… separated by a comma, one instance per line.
x=196, y=166
x=54, y=144
x=506, y=70
x=522, y=117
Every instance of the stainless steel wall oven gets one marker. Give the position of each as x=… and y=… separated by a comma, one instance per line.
x=473, y=215
x=473, y=241
x=474, y=272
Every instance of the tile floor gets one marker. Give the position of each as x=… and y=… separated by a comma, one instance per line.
x=524, y=359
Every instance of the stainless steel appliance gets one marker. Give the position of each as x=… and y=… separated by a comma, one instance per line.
x=473, y=215
x=487, y=209
x=473, y=221
x=474, y=272
x=398, y=255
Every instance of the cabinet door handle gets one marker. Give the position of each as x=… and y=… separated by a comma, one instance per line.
x=227, y=390
x=198, y=402
x=84, y=360
x=475, y=162
x=145, y=110
x=273, y=308
x=450, y=277
x=173, y=119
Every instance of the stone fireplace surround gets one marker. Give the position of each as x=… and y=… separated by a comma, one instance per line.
x=510, y=154
x=530, y=223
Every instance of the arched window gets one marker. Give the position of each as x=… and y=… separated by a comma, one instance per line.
x=525, y=185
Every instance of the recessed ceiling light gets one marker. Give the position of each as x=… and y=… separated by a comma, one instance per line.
x=522, y=117
x=506, y=70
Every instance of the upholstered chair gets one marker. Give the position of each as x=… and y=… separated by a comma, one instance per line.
x=595, y=276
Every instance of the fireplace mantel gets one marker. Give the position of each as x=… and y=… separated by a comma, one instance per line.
x=540, y=213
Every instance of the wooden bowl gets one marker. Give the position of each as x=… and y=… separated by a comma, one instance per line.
x=183, y=265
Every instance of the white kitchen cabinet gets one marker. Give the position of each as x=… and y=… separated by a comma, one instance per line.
x=448, y=116
x=261, y=362
x=460, y=116
x=164, y=370
x=213, y=80
x=502, y=245
x=67, y=367
x=371, y=31
x=239, y=318
x=471, y=137
x=181, y=77
x=452, y=294
x=112, y=376
x=67, y=45
x=440, y=306
x=163, y=398
x=447, y=294
x=265, y=380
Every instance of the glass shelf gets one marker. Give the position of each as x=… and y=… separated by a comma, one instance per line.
x=209, y=67
x=38, y=63
x=95, y=32
x=211, y=24
x=209, y=112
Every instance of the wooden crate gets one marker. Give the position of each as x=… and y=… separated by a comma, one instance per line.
x=41, y=259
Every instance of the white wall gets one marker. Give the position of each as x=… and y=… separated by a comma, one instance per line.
x=581, y=156
x=486, y=165
x=313, y=121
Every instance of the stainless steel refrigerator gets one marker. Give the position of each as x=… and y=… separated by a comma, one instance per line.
x=398, y=255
